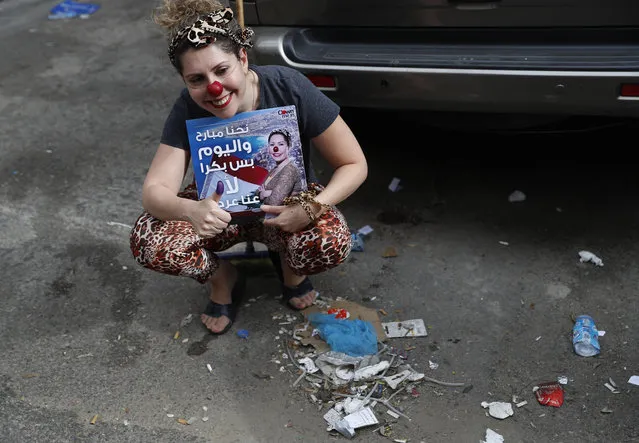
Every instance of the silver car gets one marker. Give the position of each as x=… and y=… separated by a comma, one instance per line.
x=564, y=57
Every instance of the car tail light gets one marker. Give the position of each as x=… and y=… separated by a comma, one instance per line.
x=322, y=81
x=630, y=90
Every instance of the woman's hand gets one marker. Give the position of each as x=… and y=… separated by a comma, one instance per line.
x=207, y=218
x=288, y=218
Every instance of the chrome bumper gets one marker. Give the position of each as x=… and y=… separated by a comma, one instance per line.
x=465, y=90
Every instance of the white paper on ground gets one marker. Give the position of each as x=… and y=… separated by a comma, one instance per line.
x=498, y=409
x=361, y=418
x=365, y=230
x=332, y=417
x=396, y=329
x=587, y=256
x=308, y=364
x=492, y=437
x=634, y=380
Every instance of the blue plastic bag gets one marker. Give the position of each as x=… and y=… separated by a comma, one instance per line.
x=353, y=337
x=71, y=9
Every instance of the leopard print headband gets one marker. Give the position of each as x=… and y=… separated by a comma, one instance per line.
x=203, y=31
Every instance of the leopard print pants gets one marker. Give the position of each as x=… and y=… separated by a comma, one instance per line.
x=173, y=247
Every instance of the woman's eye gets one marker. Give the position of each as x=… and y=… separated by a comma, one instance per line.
x=222, y=71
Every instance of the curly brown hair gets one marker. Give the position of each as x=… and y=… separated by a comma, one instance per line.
x=173, y=15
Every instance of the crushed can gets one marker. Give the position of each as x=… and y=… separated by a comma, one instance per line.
x=585, y=336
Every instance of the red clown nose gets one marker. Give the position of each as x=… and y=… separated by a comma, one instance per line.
x=215, y=88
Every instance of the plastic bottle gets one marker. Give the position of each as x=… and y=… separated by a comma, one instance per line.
x=585, y=337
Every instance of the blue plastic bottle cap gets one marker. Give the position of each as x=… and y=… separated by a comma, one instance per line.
x=243, y=333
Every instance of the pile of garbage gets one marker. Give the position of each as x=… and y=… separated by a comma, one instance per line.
x=347, y=370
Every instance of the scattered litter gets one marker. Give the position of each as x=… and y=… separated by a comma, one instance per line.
x=185, y=340
x=170, y=415
x=357, y=242
x=498, y=409
x=406, y=328
x=562, y=379
x=204, y=408
x=191, y=420
x=549, y=394
x=585, y=338
x=365, y=230
x=492, y=437
x=612, y=388
x=182, y=421
x=30, y=375
x=176, y=335
x=126, y=422
x=71, y=9
x=389, y=252
x=205, y=419
x=308, y=365
x=587, y=256
x=394, y=185
x=345, y=382
x=601, y=333
x=339, y=313
x=94, y=419
x=504, y=243
x=521, y=403
x=186, y=320
x=208, y=366
x=517, y=196
x=243, y=333
x=634, y=380
x=606, y=410
x=538, y=338
x=433, y=365
x=122, y=225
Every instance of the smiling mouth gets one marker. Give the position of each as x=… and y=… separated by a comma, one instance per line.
x=221, y=103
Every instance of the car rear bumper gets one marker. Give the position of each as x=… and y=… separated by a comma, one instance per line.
x=400, y=85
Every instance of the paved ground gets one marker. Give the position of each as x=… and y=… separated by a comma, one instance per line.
x=83, y=331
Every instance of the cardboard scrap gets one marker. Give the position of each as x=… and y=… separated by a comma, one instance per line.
x=357, y=312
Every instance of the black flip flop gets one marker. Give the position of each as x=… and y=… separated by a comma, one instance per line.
x=230, y=310
x=298, y=291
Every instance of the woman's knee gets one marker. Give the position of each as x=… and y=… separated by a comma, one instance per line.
x=326, y=245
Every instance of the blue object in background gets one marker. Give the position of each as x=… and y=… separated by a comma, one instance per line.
x=353, y=337
x=71, y=9
x=585, y=336
x=243, y=333
x=357, y=241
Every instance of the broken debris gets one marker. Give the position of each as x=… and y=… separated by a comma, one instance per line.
x=587, y=256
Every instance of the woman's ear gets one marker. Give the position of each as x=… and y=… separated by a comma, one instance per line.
x=244, y=60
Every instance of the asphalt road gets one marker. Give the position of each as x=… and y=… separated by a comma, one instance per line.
x=85, y=332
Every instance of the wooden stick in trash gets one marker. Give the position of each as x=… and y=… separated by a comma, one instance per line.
x=240, y=13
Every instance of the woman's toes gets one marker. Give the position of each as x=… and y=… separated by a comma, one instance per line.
x=215, y=324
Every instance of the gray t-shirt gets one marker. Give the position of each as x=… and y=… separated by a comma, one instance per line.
x=279, y=86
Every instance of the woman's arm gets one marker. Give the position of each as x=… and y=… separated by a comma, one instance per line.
x=342, y=151
x=159, y=194
x=162, y=183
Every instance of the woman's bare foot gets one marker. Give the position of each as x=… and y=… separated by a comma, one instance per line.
x=293, y=280
x=222, y=283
